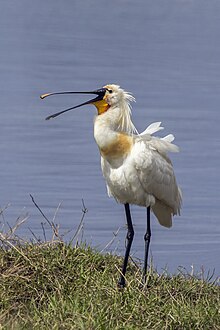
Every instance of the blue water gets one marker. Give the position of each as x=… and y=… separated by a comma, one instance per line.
x=168, y=55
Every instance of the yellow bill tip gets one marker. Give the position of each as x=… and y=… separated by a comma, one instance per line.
x=44, y=95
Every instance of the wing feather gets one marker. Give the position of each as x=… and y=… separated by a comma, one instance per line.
x=152, y=128
x=157, y=177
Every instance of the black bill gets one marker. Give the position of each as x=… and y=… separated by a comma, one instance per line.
x=100, y=92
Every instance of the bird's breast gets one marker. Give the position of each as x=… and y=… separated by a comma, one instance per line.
x=119, y=147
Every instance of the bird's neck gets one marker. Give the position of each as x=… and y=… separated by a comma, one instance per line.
x=106, y=128
x=114, y=144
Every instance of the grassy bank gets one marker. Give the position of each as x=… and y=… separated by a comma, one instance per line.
x=56, y=286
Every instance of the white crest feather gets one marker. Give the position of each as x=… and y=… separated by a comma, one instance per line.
x=126, y=124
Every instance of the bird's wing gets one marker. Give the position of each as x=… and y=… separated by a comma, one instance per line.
x=162, y=145
x=155, y=172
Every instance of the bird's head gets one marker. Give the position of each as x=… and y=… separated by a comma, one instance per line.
x=107, y=97
x=113, y=95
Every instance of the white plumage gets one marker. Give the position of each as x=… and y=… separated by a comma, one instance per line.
x=139, y=170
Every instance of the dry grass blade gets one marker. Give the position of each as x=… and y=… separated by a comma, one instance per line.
x=115, y=234
x=80, y=226
x=53, y=226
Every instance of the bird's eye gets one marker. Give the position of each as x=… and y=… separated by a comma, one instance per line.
x=110, y=91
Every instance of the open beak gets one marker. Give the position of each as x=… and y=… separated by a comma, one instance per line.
x=99, y=92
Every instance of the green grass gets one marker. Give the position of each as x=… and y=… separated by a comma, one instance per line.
x=57, y=286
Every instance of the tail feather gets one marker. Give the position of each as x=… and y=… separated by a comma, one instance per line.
x=163, y=214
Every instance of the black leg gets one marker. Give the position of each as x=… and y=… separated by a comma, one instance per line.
x=130, y=235
x=147, y=237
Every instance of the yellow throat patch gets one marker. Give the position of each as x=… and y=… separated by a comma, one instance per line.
x=101, y=106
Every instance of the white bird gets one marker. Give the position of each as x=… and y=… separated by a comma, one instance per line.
x=136, y=166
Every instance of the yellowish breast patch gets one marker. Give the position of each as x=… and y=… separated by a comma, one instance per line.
x=120, y=147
